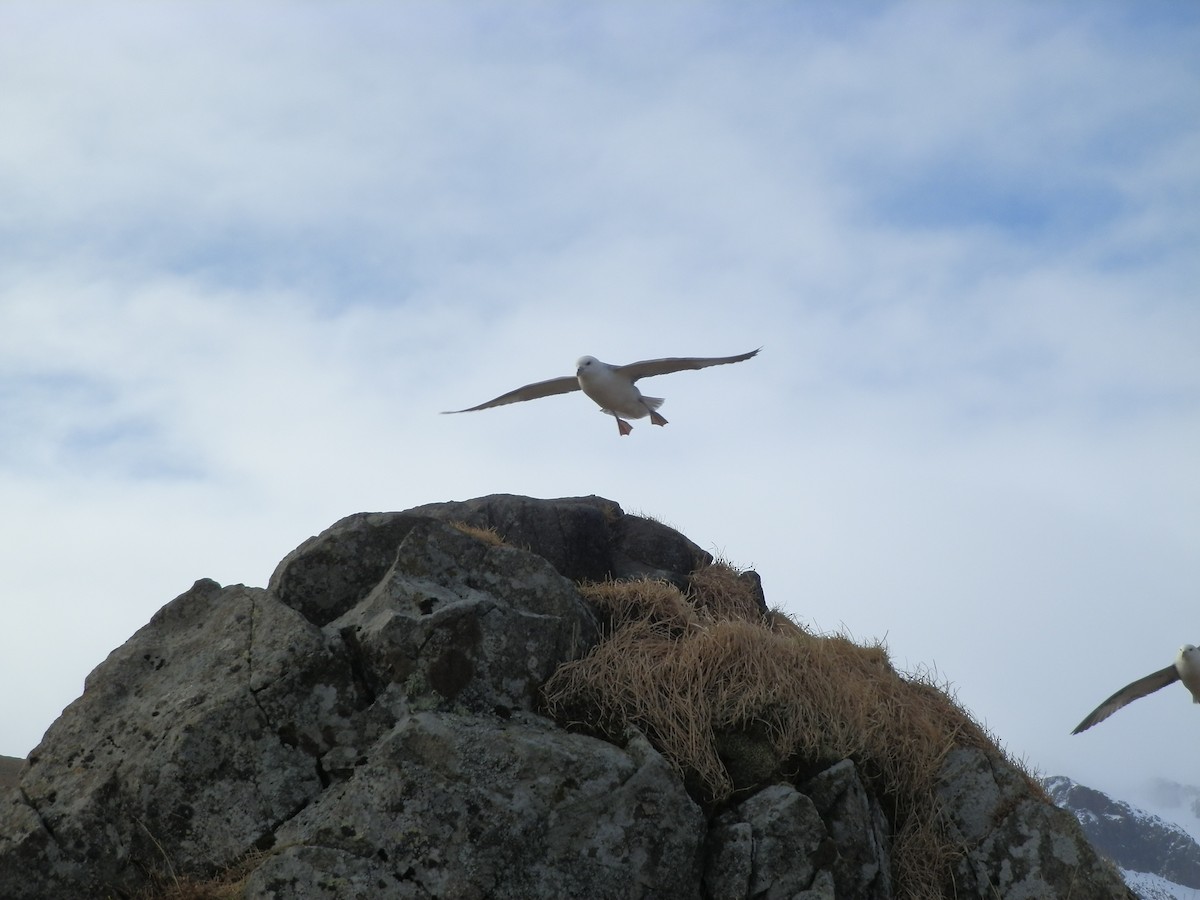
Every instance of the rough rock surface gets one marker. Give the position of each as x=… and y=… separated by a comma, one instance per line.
x=858, y=827
x=459, y=806
x=10, y=770
x=584, y=538
x=369, y=725
x=1019, y=846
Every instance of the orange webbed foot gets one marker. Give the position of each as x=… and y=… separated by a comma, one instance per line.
x=624, y=427
x=656, y=419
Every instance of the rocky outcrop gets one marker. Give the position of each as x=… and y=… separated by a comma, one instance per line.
x=371, y=725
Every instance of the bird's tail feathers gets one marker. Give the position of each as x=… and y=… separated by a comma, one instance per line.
x=653, y=402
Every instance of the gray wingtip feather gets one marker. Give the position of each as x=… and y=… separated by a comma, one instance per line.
x=1155, y=681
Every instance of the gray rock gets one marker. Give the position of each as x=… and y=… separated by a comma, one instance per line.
x=329, y=573
x=1018, y=845
x=456, y=620
x=462, y=806
x=730, y=860
x=191, y=743
x=788, y=843
x=823, y=888
x=859, y=829
x=10, y=771
x=584, y=538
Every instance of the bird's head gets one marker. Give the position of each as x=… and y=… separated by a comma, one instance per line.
x=584, y=363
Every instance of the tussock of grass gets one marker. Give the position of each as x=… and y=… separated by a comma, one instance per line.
x=724, y=593
x=229, y=884
x=690, y=670
x=487, y=535
x=652, y=603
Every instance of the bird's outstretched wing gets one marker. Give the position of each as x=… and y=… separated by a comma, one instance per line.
x=647, y=367
x=1127, y=694
x=534, y=391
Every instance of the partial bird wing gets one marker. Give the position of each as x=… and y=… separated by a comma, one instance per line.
x=534, y=391
x=647, y=367
x=1128, y=694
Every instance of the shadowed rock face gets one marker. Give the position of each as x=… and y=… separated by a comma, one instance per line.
x=10, y=769
x=370, y=724
x=584, y=538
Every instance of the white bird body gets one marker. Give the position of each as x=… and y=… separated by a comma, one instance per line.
x=1187, y=664
x=616, y=394
x=612, y=387
x=1186, y=668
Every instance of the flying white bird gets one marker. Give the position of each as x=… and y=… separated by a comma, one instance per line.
x=1186, y=668
x=613, y=386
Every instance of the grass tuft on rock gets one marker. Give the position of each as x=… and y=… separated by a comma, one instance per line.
x=711, y=670
x=487, y=535
x=227, y=885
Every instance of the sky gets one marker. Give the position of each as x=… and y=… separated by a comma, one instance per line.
x=248, y=252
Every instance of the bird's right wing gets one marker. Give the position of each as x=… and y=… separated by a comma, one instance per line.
x=534, y=391
x=648, y=367
x=1127, y=694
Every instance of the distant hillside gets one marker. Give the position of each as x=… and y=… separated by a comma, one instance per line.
x=9, y=767
x=1134, y=839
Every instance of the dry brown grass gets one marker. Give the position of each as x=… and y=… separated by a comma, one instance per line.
x=222, y=887
x=487, y=535
x=724, y=593
x=229, y=884
x=687, y=670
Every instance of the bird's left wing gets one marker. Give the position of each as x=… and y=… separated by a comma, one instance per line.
x=1140, y=688
x=647, y=367
x=534, y=391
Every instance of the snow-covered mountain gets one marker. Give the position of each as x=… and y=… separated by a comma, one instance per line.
x=1155, y=887
x=1160, y=859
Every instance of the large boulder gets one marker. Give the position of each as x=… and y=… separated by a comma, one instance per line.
x=583, y=539
x=371, y=725
x=189, y=745
x=211, y=732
